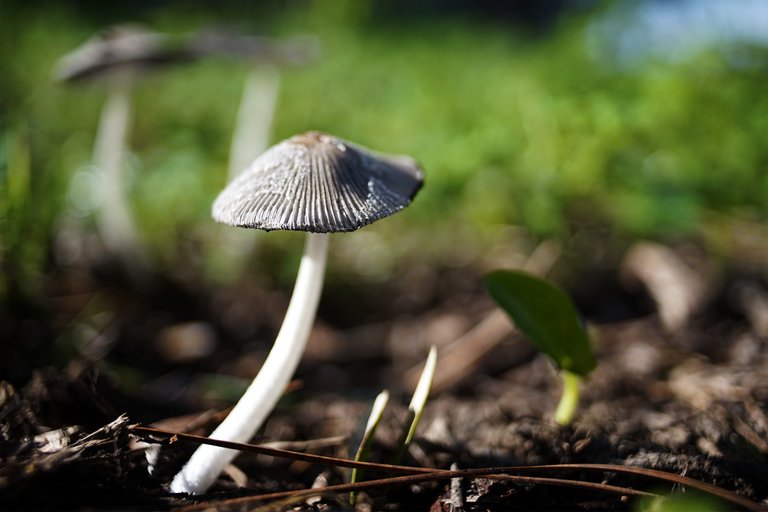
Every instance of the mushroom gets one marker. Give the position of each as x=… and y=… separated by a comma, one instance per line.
x=116, y=57
x=311, y=182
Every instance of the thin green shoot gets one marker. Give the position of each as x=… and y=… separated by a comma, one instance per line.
x=374, y=418
x=418, y=401
x=569, y=399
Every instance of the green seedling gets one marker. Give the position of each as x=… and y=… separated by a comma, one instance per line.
x=418, y=402
x=415, y=410
x=546, y=315
x=374, y=418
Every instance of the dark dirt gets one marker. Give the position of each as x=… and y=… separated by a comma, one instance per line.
x=691, y=401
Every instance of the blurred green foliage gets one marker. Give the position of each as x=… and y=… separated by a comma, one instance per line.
x=512, y=128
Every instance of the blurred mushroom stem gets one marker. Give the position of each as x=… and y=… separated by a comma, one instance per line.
x=254, y=117
x=253, y=130
x=115, y=222
x=260, y=398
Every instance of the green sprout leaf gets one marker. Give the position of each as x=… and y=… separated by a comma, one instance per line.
x=546, y=315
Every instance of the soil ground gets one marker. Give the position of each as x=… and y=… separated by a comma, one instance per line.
x=690, y=400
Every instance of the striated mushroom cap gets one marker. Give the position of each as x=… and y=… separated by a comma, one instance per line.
x=319, y=183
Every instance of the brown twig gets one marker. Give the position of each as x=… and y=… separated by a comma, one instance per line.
x=460, y=358
x=411, y=479
x=421, y=474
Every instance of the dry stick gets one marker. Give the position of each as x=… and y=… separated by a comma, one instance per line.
x=173, y=437
x=309, y=444
x=410, y=479
x=456, y=503
x=490, y=472
x=461, y=357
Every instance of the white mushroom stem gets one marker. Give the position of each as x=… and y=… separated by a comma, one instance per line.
x=115, y=222
x=261, y=396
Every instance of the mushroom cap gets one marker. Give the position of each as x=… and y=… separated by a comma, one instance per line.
x=295, y=51
x=316, y=182
x=119, y=47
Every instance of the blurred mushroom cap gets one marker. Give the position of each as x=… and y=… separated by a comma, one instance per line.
x=119, y=47
x=295, y=51
x=316, y=182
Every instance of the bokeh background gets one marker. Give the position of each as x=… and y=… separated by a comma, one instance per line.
x=587, y=125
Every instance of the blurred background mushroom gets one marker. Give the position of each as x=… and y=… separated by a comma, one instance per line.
x=117, y=58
